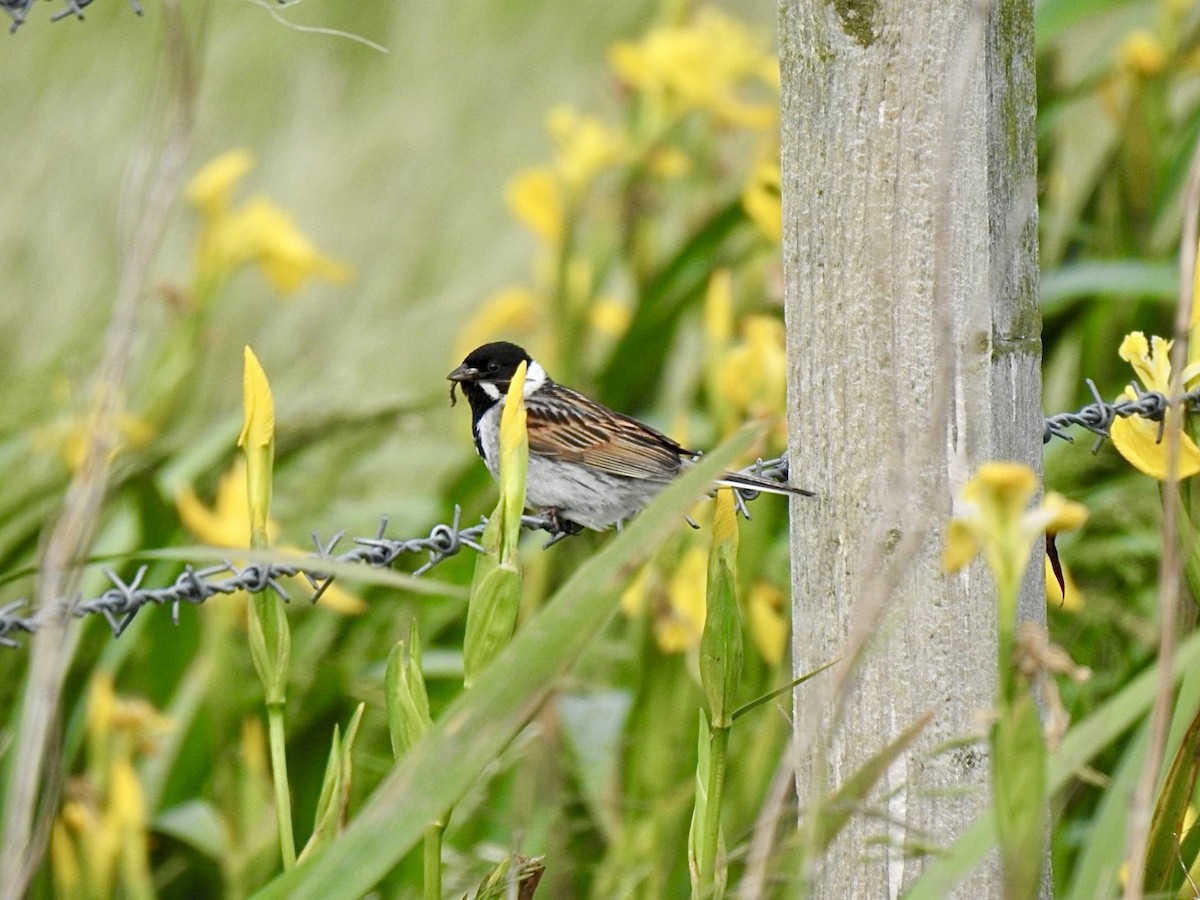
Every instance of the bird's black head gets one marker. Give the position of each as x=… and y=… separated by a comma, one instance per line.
x=486, y=373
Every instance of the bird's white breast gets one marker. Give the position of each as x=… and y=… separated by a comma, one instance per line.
x=488, y=432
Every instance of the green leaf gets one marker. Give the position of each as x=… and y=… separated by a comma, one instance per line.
x=496, y=885
x=491, y=620
x=405, y=694
x=721, y=640
x=442, y=766
x=198, y=824
x=1189, y=547
x=335, y=788
x=1163, y=872
x=700, y=808
x=1019, y=794
x=270, y=644
x=1097, y=867
x=1085, y=134
x=706, y=841
x=1108, y=278
x=325, y=820
x=593, y=727
x=791, y=685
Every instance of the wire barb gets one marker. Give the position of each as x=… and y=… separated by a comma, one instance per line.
x=19, y=9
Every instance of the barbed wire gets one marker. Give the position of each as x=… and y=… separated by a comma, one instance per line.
x=1098, y=416
x=19, y=9
x=122, y=601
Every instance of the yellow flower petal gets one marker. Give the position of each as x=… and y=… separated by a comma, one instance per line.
x=514, y=460
x=712, y=64
x=64, y=863
x=1133, y=346
x=584, y=145
x=995, y=520
x=1061, y=514
x=718, y=309
x=1070, y=600
x=609, y=317
x=752, y=375
x=227, y=524
x=767, y=623
x=258, y=441
x=1137, y=440
x=1142, y=53
x=961, y=546
x=127, y=803
x=668, y=162
x=334, y=597
x=211, y=189
x=534, y=196
x=761, y=200
x=633, y=598
x=1151, y=361
x=286, y=257
x=258, y=423
x=207, y=525
x=508, y=312
x=261, y=234
x=678, y=628
x=102, y=701
x=1003, y=486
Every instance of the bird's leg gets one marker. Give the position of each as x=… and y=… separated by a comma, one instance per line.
x=556, y=525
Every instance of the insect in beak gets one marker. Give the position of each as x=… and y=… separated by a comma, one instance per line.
x=461, y=374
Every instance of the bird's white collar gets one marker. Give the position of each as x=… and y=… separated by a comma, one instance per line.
x=535, y=377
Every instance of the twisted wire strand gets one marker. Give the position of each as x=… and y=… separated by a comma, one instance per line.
x=1098, y=416
x=122, y=601
x=19, y=9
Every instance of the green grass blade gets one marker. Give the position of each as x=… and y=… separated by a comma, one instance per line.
x=836, y=810
x=1166, y=830
x=791, y=685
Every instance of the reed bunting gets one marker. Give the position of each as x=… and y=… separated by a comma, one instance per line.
x=588, y=466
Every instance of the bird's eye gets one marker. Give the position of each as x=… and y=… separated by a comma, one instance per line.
x=493, y=366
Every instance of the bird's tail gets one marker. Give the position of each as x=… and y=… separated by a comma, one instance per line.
x=765, y=485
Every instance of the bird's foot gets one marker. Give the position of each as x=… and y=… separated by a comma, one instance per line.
x=557, y=526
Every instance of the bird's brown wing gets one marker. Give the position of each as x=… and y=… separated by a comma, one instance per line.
x=566, y=425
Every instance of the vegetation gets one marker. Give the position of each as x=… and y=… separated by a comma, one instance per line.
x=301, y=234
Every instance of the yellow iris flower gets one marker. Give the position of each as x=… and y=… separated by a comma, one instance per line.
x=712, y=64
x=997, y=521
x=256, y=233
x=1138, y=439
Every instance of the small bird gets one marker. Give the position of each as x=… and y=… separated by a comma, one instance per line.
x=589, y=467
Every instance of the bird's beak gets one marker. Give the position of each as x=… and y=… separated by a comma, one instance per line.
x=464, y=373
